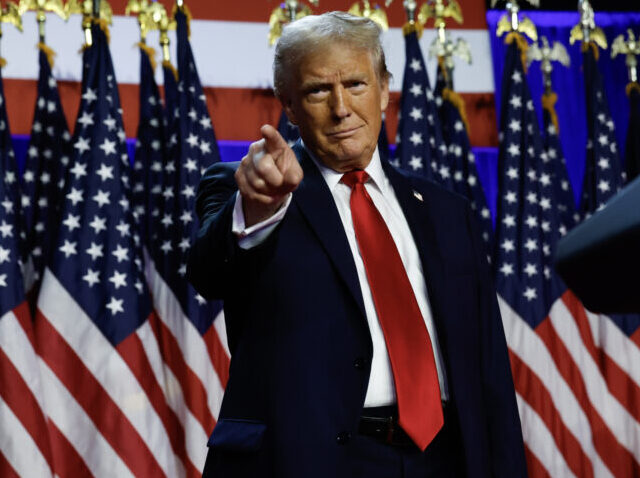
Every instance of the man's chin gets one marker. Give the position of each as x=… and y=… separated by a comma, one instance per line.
x=348, y=159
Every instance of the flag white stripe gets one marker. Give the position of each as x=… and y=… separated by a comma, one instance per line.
x=218, y=67
x=541, y=443
x=620, y=348
x=79, y=429
x=527, y=345
x=622, y=424
x=193, y=348
x=107, y=366
x=16, y=344
x=195, y=436
x=18, y=446
x=152, y=351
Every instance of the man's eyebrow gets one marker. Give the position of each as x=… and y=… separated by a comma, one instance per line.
x=319, y=82
x=310, y=84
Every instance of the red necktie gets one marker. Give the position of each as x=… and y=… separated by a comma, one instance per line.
x=405, y=333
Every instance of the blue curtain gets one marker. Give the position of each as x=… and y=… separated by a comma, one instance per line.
x=568, y=83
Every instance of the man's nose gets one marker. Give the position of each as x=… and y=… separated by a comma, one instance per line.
x=340, y=106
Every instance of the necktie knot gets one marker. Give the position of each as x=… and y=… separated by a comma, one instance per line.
x=357, y=176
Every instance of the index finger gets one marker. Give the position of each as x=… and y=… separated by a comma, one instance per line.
x=273, y=141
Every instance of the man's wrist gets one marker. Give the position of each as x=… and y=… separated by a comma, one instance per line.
x=251, y=236
x=255, y=213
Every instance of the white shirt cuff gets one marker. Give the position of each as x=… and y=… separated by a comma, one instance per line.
x=255, y=235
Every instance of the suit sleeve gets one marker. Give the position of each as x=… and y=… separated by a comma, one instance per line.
x=505, y=433
x=211, y=258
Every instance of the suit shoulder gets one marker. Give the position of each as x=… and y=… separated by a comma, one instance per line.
x=216, y=186
x=219, y=171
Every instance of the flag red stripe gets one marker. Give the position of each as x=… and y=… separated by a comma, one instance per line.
x=6, y=470
x=533, y=390
x=132, y=352
x=534, y=467
x=93, y=398
x=23, y=315
x=635, y=337
x=66, y=460
x=218, y=354
x=237, y=113
x=619, y=383
x=613, y=454
x=195, y=395
x=21, y=400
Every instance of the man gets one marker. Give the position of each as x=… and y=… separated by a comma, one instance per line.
x=364, y=331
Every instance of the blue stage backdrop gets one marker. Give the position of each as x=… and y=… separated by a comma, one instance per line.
x=568, y=83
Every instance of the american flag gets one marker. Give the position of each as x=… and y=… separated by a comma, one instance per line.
x=191, y=331
x=464, y=171
x=632, y=150
x=553, y=157
x=150, y=149
x=575, y=373
x=24, y=443
x=43, y=178
x=419, y=144
x=102, y=375
x=603, y=176
x=152, y=174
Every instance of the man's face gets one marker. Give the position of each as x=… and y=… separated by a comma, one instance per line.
x=337, y=100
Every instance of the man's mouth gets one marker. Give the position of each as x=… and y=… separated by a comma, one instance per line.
x=344, y=133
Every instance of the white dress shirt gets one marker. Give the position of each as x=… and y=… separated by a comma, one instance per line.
x=381, y=389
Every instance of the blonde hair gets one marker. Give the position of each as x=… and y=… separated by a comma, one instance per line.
x=313, y=32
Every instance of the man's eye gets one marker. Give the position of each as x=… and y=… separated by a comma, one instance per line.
x=317, y=93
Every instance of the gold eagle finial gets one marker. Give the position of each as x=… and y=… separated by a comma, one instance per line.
x=546, y=53
x=287, y=12
x=11, y=14
x=439, y=11
x=512, y=22
x=375, y=13
x=630, y=48
x=85, y=8
x=586, y=31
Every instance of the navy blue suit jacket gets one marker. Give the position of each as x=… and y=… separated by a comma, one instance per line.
x=300, y=343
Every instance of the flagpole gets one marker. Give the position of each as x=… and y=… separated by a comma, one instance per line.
x=41, y=19
x=96, y=8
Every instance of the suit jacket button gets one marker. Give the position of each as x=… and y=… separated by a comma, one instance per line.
x=343, y=438
x=359, y=363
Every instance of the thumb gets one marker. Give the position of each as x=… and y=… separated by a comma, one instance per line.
x=274, y=143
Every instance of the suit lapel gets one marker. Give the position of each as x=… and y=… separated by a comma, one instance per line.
x=418, y=212
x=316, y=203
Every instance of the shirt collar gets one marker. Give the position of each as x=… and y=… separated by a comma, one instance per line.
x=332, y=178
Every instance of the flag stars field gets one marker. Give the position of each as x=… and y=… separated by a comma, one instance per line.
x=69, y=248
x=79, y=170
x=91, y=277
x=115, y=306
x=95, y=251
x=82, y=145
